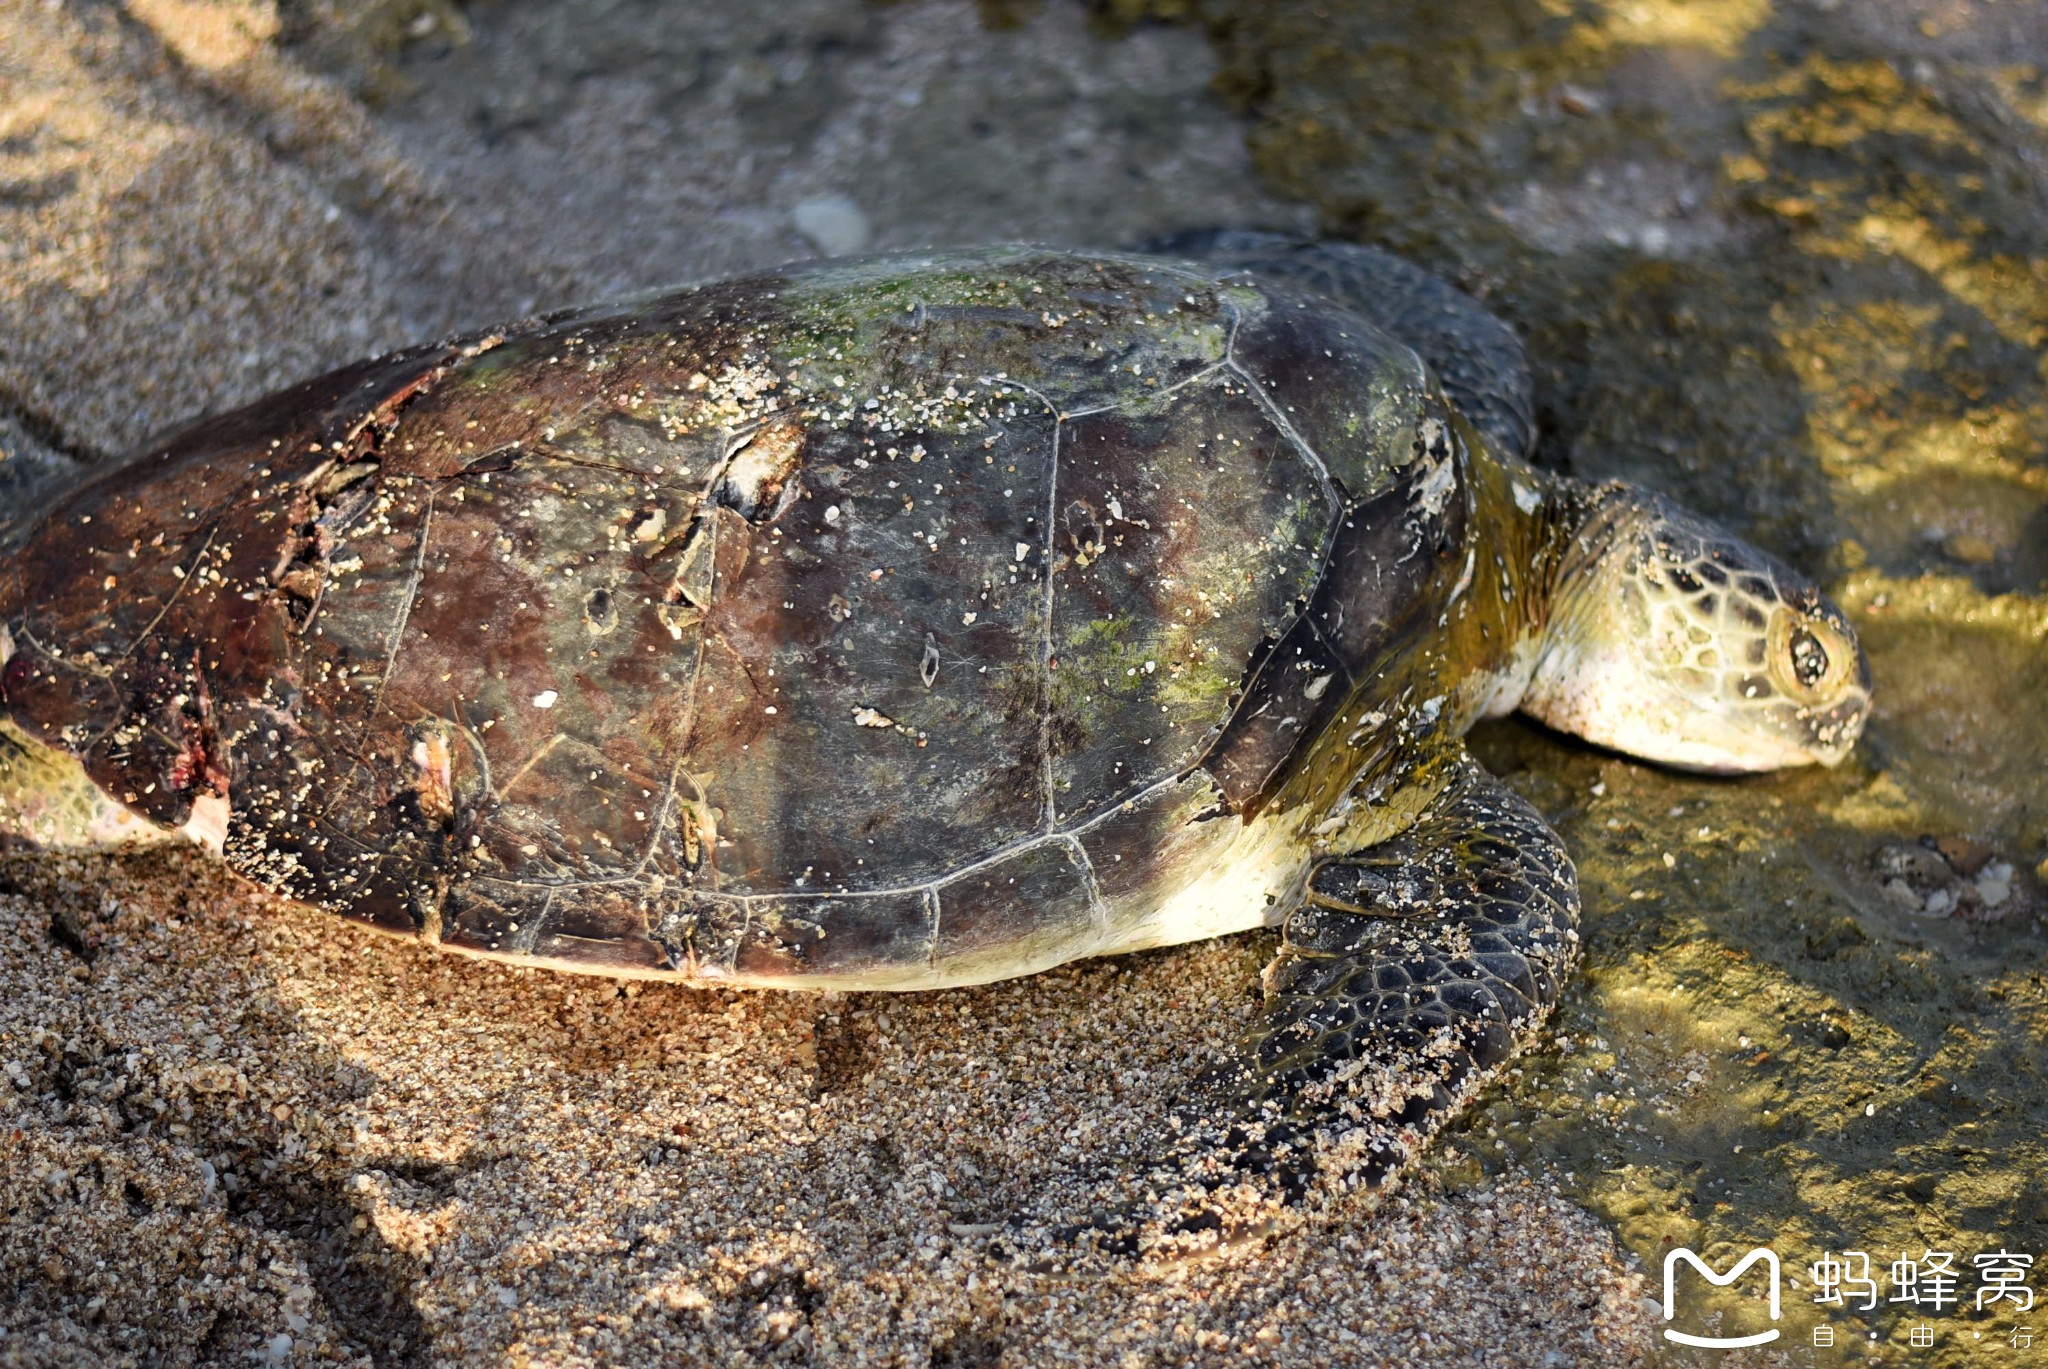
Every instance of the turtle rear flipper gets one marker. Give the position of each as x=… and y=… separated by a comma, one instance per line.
x=47, y=802
x=1477, y=357
x=1407, y=975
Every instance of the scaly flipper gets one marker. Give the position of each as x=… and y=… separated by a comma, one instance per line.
x=47, y=802
x=1408, y=974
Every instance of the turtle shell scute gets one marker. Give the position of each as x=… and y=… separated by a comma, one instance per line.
x=747, y=629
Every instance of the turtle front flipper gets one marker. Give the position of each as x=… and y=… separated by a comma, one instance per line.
x=1408, y=974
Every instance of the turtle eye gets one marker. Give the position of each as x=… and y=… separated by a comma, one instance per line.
x=1809, y=658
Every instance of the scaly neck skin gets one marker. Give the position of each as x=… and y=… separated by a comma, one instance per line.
x=1524, y=522
x=1490, y=610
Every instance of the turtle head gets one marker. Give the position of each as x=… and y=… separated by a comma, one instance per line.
x=1673, y=640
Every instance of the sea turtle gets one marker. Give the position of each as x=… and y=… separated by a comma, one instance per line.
x=919, y=621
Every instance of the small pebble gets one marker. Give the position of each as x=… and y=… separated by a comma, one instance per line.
x=1971, y=549
x=1994, y=886
x=833, y=224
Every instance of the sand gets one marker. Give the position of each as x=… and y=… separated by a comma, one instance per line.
x=238, y=1128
